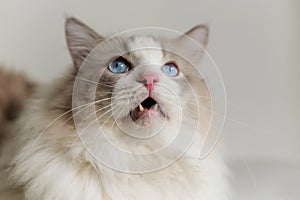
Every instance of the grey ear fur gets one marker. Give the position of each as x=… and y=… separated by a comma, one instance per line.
x=199, y=34
x=193, y=43
x=80, y=40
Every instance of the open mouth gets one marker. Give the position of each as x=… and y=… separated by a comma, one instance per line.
x=149, y=104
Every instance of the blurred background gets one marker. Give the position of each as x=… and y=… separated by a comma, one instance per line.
x=255, y=43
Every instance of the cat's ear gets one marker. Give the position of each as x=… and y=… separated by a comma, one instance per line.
x=199, y=34
x=193, y=43
x=80, y=40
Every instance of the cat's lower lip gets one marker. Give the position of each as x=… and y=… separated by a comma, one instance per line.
x=140, y=112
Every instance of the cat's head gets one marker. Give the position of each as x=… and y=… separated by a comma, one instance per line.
x=143, y=85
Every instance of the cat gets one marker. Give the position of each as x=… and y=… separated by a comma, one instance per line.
x=129, y=92
x=15, y=88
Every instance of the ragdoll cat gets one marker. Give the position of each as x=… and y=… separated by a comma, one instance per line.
x=101, y=131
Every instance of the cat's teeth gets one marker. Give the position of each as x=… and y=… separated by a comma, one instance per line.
x=155, y=107
x=141, y=107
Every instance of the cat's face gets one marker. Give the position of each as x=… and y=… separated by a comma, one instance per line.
x=143, y=87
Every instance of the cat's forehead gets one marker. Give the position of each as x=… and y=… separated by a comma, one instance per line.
x=144, y=50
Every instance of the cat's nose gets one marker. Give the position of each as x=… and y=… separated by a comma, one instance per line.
x=148, y=80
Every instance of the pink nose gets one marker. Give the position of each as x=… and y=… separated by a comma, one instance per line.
x=148, y=80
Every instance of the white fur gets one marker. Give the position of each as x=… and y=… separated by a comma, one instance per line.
x=54, y=165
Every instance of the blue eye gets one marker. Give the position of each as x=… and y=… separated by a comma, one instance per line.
x=170, y=69
x=119, y=65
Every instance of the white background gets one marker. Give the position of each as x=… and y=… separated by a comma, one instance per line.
x=255, y=43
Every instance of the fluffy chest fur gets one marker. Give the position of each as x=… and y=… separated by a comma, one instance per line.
x=45, y=171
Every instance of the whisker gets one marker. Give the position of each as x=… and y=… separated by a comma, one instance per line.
x=98, y=110
x=80, y=134
x=226, y=116
x=97, y=118
x=83, y=107
x=103, y=114
x=217, y=100
x=118, y=116
x=105, y=123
